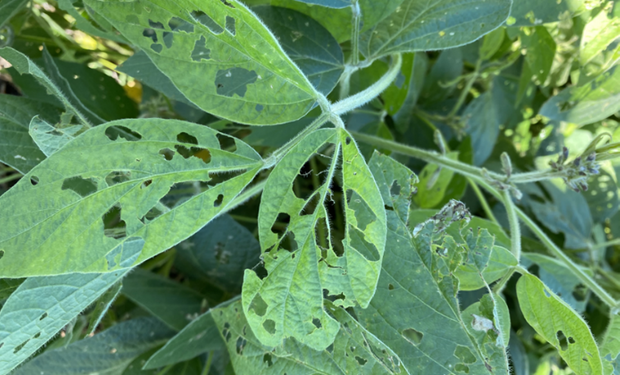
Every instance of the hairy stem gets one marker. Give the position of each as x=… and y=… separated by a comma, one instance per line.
x=355, y=34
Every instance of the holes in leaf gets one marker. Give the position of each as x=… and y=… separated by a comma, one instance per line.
x=156, y=25
x=146, y=184
x=34, y=180
x=281, y=223
x=151, y=215
x=43, y=316
x=267, y=359
x=113, y=132
x=461, y=368
x=464, y=354
x=563, y=340
x=240, y=345
x=81, y=186
x=227, y=4
x=330, y=348
x=270, y=326
x=302, y=185
x=413, y=336
x=258, y=305
x=358, y=241
x=227, y=142
x=200, y=153
x=200, y=51
x=1, y=254
x=179, y=24
x=226, y=332
x=288, y=243
x=317, y=323
x=168, y=38
x=20, y=346
x=361, y=360
x=311, y=205
x=229, y=82
x=167, y=153
x=113, y=226
x=390, y=287
x=230, y=25
x=150, y=33
x=218, y=201
x=207, y=21
x=184, y=137
x=157, y=47
x=117, y=177
x=348, y=141
x=580, y=293
x=395, y=188
x=37, y=335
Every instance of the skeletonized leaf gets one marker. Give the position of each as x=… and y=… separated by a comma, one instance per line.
x=588, y=103
x=41, y=307
x=110, y=187
x=107, y=353
x=560, y=325
x=418, y=25
x=200, y=336
x=303, y=260
x=172, y=303
x=218, y=54
x=354, y=351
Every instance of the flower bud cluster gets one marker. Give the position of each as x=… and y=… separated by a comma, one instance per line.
x=577, y=172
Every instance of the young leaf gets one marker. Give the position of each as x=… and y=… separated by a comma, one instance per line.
x=115, y=206
x=42, y=306
x=420, y=26
x=219, y=55
x=500, y=261
x=111, y=350
x=172, y=303
x=305, y=255
x=588, y=103
x=17, y=148
x=199, y=336
x=560, y=325
x=354, y=351
x=307, y=43
x=489, y=323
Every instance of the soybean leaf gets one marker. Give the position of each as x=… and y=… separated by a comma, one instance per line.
x=354, y=350
x=532, y=12
x=219, y=253
x=116, y=206
x=500, y=261
x=558, y=278
x=220, y=56
x=17, y=148
x=305, y=256
x=307, y=43
x=42, y=306
x=610, y=347
x=8, y=286
x=588, y=103
x=560, y=325
x=440, y=24
x=602, y=197
x=489, y=323
x=542, y=48
x=172, y=303
x=434, y=181
x=199, y=336
x=601, y=31
x=102, y=305
x=108, y=352
x=491, y=43
x=9, y=8
x=49, y=138
x=482, y=124
x=395, y=95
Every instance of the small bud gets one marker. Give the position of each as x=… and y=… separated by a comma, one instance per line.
x=591, y=157
x=583, y=186
x=563, y=156
x=553, y=165
x=593, y=170
x=582, y=173
x=506, y=164
x=577, y=161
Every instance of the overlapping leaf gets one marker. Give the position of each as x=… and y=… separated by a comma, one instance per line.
x=109, y=187
x=417, y=25
x=305, y=260
x=218, y=54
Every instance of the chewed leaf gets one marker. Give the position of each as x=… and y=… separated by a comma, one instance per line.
x=119, y=175
x=305, y=254
x=354, y=350
x=560, y=325
x=49, y=138
x=218, y=54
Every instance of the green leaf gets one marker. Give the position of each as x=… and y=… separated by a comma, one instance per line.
x=219, y=55
x=559, y=279
x=42, y=306
x=441, y=24
x=55, y=83
x=417, y=278
x=482, y=124
x=199, y=336
x=115, y=206
x=102, y=305
x=395, y=95
x=602, y=197
x=307, y=43
x=600, y=32
x=336, y=21
x=532, y=12
x=560, y=325
x=48, y=138
x=17, y=148
x=434, y=181
x=300, y=263
x=354, y=351
x=329, y=3
x=491, y=43
x=8, y=8
x=588, y=103
x=219, y=253
x=500, y=261
x=172, y=303
x=610, y=347
x=540, y=52
x=109, y=352
x=8, y=286
x=489, y=324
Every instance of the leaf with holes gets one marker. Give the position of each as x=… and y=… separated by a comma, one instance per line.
x=218, y=54
x=354, y=350
x=610, y=347
x=108, y=352
x=560, y=325
x=599, y=33
x=304, y=260
x=432, y=25
x=417, y=278
x=124, y=195
x=42, y=306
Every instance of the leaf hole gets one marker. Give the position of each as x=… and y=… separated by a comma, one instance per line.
x=113, y=226
x=179, y=24
x=157, y=47
x=361, y=360
x=146, y=184
x=240, y=345
x=167, y=153
x=317, y=323
x=43, y=316
x=117, y=177
x=168, y=39
x=267, y=359
x=580, y=293
x=281, y=223
x=116, y=131
x=390, y=287
x=230, y=25
x=151, y=34
x=259, y=108
x=229, y=82
x=37, y=335
x=464, y=354
x=200, y=51
x=227, y=143
x=270, y=326
x=227, y=4
x=413, y=336
x=562, y=340
x=81, y=186
x=218, y=201
x=330, y=348
x=156, y=25
x=34, y=180
x=311, y=205
x=207, y=21
x=348, y=141
x=1, y=253
x=258, y=305
x=20, y=346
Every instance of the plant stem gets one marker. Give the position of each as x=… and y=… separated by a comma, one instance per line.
x=601, y=245
x=515, y=231
x=468, y=86
x=279, y=153
x=483, y=201
x=10, y=178
x=207, y=367
x=361, y=98
x=355, y=34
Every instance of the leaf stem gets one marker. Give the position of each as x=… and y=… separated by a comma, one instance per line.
x=515, y=231
x=601, y=245
x=246, y=195
x=483, y=201
x=355, y=34
x=279, y=153
x=10, y=178
x=207, y=367
x=465, y=92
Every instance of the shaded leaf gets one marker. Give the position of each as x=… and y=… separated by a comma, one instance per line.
x=84, y=24
x=601, y=31
x=602, y=197
x=9, y=8
x=540, y=52
x=42, y=306
x=123, y=195
x=482, y=124
x=329, y=3
x=395, y=95
x=610, y=347
x=532, y=12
